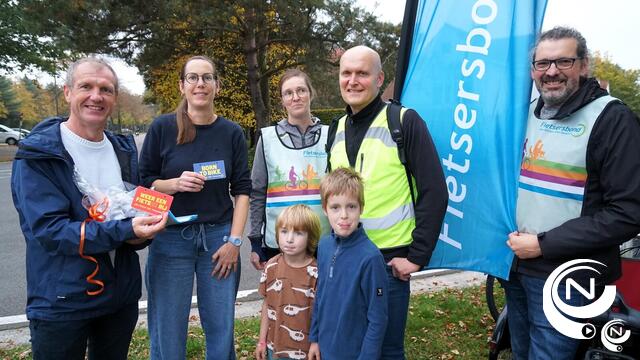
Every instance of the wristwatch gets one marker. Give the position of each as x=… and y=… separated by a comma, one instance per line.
x=234, y=240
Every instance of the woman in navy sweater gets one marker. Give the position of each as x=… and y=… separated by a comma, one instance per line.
x=178, y=149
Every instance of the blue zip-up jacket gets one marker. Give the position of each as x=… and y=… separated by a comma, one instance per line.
x=50, y=210
x=349, y=317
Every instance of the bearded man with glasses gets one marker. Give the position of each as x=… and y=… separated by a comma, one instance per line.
x=579, y=196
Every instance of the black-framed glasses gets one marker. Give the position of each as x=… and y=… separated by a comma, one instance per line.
x=561, y=64
x=301, y=92
x=192, y=78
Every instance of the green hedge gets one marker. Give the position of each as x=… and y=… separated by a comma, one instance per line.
x=326, y=115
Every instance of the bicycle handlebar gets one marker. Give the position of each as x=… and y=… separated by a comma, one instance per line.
x=629, y=315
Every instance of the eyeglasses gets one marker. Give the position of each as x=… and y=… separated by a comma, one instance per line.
x=561, y=64
x=192, y=78
x=301, y=92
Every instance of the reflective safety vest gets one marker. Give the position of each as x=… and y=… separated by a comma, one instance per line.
x=388, y=217
x=553, y=173
x=293, y=177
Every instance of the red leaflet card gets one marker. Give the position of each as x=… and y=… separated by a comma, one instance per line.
x=151, y=201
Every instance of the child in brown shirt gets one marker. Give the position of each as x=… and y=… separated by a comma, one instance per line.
x=288, y=285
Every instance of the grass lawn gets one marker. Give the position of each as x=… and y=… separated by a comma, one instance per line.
x=450, y=324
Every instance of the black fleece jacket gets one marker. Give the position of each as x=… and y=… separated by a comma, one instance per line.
x=611, y=206
x=424, y=163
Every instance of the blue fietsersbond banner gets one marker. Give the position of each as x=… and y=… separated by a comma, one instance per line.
x=468, y=77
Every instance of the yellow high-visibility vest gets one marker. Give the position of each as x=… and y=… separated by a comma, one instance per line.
x=388, y=217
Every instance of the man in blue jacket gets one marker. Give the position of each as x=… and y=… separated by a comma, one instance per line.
x=75, y=300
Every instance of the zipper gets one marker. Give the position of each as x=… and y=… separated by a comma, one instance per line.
x=333, y=261
x=361, y=162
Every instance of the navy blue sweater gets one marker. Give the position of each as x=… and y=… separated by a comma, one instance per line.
x=162, y=158
x=349, y=317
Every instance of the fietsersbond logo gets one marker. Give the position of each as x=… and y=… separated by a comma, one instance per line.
x=558, y=312
x=558, y=128
x=314, y=154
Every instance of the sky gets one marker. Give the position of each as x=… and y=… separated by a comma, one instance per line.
x=610, y=27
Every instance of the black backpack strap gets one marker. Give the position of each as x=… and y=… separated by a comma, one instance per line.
x=333, y=128
x=395, y=127
x=394, y=110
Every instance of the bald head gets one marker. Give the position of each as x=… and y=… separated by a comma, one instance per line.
x=361, y=77
x=363, y=52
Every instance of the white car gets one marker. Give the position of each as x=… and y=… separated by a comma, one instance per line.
x=8, y=135
x=23, y=132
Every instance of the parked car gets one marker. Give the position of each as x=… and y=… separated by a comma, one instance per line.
x=8, y=135
x=23, y=132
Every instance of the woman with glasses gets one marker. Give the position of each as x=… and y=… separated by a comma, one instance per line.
x=200, y=158
x=289, y=162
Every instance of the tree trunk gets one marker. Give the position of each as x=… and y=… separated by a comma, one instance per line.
x=253, y=73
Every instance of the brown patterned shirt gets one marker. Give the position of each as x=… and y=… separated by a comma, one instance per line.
x=289, y=293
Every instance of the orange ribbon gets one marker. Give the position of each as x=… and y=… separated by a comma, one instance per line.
x=97, y=212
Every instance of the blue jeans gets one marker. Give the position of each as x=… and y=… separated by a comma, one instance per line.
x=398, y=293
x=174, y=257
x=107, y=336
x=532, y=336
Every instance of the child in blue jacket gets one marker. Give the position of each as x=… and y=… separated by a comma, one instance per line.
x=350, y=313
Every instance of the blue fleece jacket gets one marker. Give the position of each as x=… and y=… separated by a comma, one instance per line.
x=350, y=311
x=50, y=210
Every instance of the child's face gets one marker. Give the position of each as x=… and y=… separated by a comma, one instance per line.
x=343, y=212
x=292, y=242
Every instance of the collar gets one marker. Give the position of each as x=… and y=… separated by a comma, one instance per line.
x=292, y=129
x=45, y=140
x=369, y=112
x=352, y=239
x=589, y=89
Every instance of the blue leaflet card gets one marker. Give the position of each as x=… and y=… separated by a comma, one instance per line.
x=211, y=170
x=177, y=220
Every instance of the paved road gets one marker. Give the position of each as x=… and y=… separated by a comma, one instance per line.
x=12, y=273
x=12, y=252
